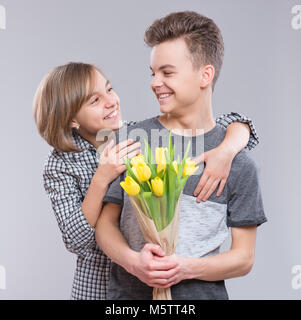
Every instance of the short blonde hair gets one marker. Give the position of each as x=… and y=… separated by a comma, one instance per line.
x=59, y=97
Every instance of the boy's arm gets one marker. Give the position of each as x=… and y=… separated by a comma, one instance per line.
x=236, y=262
x=245, y=212
x=141, y=264
x=109, y=238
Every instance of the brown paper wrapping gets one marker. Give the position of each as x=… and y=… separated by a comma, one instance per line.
x=167, y=238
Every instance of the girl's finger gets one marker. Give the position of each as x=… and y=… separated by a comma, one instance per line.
x=128, y=149
x=204, y=191
x=108, y=147
x=201, y=184
x=199, y=159
x=211, y=190
x=122, y=144
x=130, y=155
x=221, y=187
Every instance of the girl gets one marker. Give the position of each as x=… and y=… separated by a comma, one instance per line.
x=72, y=104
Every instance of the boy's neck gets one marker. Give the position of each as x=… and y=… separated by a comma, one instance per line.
x=196, y=117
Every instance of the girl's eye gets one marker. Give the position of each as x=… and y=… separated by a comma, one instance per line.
x=95, y=100
x=152, y=75
x=110, y=89
x=167, y=73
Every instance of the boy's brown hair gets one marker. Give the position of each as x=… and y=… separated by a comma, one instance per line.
x=59, y=97
x=202, y=36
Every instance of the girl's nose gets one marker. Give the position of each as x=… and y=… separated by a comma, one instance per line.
x=110, y=102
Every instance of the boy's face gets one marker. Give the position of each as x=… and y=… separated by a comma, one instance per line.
x=175, y=82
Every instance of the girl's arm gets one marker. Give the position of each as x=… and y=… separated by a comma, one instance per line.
x=240, y=133
x=76, y=216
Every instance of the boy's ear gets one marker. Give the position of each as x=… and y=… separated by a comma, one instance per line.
x=207, y=75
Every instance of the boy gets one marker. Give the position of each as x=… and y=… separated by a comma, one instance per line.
x=186, y=58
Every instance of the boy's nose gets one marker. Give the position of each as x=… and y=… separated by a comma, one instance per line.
x=156, y=82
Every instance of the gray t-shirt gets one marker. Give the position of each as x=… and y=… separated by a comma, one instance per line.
x=203, y=227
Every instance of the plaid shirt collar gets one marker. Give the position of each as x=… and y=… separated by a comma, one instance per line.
x=81, y=143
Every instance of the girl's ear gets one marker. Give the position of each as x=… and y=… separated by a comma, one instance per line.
x=74, y=124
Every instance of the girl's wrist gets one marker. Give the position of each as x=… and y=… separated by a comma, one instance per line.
x=228, y=149
x=100, y=180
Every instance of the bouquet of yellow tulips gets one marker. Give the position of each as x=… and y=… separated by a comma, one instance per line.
x=154, y=191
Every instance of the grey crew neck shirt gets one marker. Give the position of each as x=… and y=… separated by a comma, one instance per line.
x=203, y=227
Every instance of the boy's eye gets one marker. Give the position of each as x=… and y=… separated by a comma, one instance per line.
x=152, y=75
x=167, y=73
x=110, y=89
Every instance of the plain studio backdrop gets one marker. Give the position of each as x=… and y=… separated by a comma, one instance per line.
x=260, y=78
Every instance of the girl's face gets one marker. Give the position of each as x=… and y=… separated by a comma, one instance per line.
x=101, y=111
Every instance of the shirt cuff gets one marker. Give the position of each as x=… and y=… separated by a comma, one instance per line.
x=79, y=232
x=227, y=119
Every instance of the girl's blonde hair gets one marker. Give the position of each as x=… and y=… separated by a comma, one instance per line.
x=59, y=97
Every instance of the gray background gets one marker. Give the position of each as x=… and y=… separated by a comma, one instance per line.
x=260, y=78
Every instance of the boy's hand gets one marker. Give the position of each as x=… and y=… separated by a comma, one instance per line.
x=183, y=268
x=152, y=267
x=218, y=164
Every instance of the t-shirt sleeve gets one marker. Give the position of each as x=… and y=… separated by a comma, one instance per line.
x=245, y=204
x=115, y=192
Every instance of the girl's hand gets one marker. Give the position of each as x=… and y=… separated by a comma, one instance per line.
x=218, y=164
x=111, y=163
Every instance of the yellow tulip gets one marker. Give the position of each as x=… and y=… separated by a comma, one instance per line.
x=160, y=158
x=135, y=173
x=175, y=165
x=137, y=159
x=130, y=186
x=143, y=171
x=157, y=185
x=189, y=168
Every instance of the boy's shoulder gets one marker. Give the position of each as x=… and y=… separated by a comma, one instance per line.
x=146, y=123
x=130, y=128
x=244, y=170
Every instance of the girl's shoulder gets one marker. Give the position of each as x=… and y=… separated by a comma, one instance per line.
x=56, y=160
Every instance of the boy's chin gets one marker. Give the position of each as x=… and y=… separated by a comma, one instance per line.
x=164, y=108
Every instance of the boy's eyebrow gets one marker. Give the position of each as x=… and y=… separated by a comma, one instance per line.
x=165, y=66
